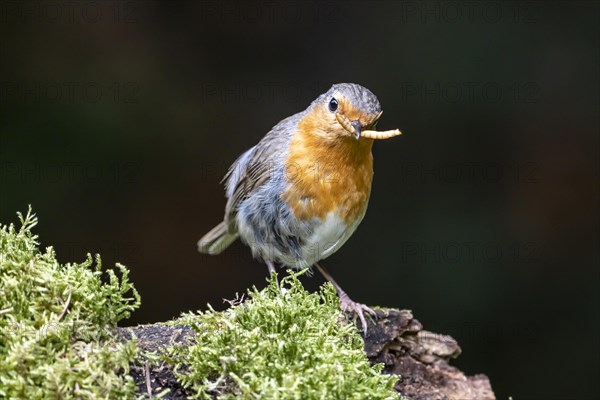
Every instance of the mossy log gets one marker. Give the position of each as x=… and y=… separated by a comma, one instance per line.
x=59, y=340
x=394, y=338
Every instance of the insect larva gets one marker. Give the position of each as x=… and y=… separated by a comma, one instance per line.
x=380, y=134
x=369, y=134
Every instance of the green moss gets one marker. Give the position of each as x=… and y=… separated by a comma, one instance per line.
x=281, y=343
x=55, y=322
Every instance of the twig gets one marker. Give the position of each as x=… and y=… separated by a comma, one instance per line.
x=148, y=384
x=64, y=311
x=6, y=310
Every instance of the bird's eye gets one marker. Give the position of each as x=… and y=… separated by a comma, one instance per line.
x=333, y=104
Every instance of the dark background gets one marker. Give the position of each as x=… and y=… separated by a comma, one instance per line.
x=118, y=120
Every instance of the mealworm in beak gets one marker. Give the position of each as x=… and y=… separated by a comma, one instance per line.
x=345, y=122
x=380, y=134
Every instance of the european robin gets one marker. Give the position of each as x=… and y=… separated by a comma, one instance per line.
x=300, y=193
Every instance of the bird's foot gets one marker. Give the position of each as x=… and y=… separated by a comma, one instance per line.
x=347, y=304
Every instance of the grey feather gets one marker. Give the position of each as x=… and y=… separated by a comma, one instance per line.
x=217, y=240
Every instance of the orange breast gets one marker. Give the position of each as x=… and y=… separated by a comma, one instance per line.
x=328, y=171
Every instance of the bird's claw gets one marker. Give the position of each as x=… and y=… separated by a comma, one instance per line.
x=347, y=304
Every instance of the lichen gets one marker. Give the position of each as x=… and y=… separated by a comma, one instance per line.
x=56, y=321
x=282, y=342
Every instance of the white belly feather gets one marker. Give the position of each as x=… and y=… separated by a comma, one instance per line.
x=328, y=236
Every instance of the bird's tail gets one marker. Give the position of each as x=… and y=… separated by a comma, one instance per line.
x=217, y=240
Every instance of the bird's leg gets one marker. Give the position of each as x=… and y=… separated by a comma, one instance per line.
x=345, y=301
x=271, y=267
x=272, y=271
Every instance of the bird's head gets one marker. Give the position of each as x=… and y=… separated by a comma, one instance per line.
x=349, y=109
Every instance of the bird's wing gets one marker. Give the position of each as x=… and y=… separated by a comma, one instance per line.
x=255, y=167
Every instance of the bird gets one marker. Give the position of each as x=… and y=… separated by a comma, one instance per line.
x=299, y=194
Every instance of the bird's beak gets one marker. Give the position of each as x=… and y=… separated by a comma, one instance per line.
x=357, y=129
x=353, y=127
